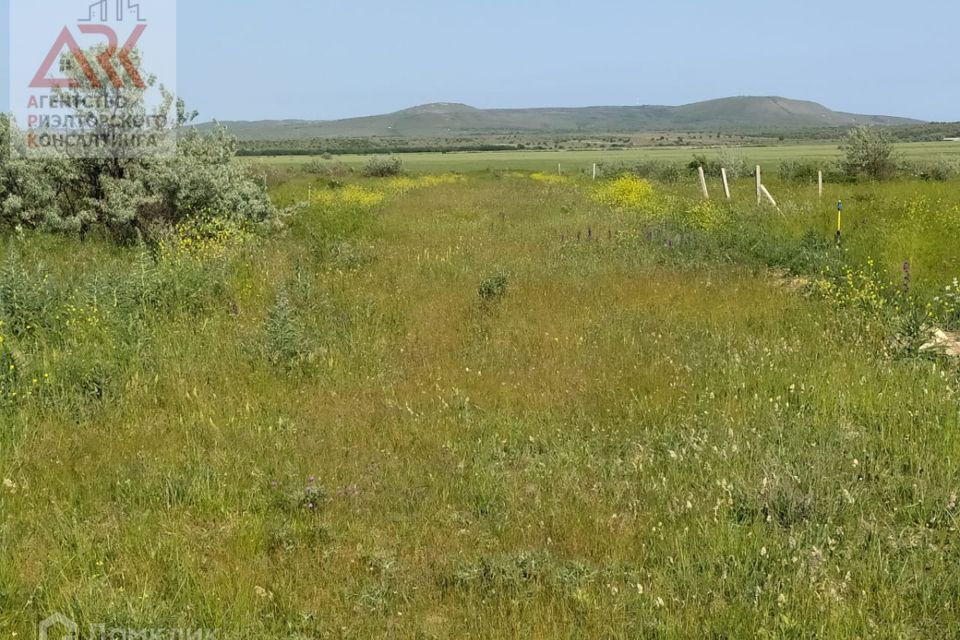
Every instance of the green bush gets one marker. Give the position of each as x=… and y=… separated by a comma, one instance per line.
x=329, y=170
x=869, y=152
x=736, y=165
x=383, y=167
x=286, y=344
x=939, y=170
x=128, y=197
x=494, y=288
x=799, y=170
x=667, y=172
x=807, y=170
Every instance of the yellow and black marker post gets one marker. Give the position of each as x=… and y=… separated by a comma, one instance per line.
x=839, y=221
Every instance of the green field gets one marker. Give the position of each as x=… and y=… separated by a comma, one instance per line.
x=582, y=161
x=492, y=406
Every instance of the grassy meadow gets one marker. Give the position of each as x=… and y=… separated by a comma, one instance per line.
x=496, y=405
x=574, y=162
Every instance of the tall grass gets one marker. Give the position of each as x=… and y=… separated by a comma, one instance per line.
x=437, y=413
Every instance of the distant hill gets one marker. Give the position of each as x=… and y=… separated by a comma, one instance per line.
x=447, y=119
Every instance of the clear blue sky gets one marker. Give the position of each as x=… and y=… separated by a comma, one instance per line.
x=328, y=59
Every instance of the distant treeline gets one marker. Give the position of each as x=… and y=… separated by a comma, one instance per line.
x=932, y=132
x=518, y=142
x=279, y=148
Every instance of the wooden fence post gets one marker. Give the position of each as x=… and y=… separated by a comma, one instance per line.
x=763, y=190
x=703, y=184
x=726, y=183
x=759, y=187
